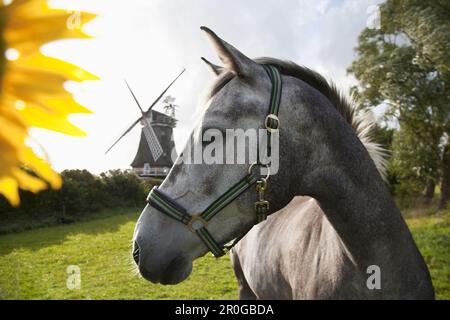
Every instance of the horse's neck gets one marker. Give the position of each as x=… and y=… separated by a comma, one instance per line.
x=363, y=214
x=343, y=179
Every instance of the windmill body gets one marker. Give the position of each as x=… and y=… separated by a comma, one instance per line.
x=156, y=150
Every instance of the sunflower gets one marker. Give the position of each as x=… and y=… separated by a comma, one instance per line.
x=32, y=92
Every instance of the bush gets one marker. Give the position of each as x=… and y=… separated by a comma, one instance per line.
x=123, y=188
x=82, y=194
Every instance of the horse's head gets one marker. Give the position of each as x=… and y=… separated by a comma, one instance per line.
x=166, y=241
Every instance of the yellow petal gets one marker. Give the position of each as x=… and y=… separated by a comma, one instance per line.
x=65, y=104
x=12, y=137
x=36, y=117
x=48, y=24
x=28, y=182
x=62, y=104
x=8, y=187
x=25, y=79
x=9, y=158
x=49, y=64
x=40, y=167
x=12, y=115
x=28, y=42
x=20, y=83
x=11, y=132
x=27, y=9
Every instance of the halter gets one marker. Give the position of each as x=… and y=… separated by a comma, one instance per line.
x=197, y=223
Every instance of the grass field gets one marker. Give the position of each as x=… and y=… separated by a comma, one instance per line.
x=33, y=264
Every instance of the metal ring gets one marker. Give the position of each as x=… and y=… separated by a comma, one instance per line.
x=266, y=123
x=195, y=218
x=264, y=184
x=265, y=165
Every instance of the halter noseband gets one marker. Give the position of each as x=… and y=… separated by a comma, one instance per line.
x=197, y=222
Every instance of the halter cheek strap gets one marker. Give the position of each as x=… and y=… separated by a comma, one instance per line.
x=197, y=222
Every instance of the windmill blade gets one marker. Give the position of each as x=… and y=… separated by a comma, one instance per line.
x=123, y=134
x=153, y=143
x=134, y=97
x=164, y=92
x=134, y=123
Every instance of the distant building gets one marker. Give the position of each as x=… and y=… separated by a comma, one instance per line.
x=153, y=160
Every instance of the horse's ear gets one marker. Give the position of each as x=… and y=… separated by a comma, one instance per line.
x=232, y=58
x=217, y=70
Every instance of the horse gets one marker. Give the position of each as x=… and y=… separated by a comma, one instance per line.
x=333, y=230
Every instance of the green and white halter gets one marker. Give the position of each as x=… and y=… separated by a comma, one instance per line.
x=197, y=223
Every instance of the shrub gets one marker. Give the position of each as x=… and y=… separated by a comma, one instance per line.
x=82, y=194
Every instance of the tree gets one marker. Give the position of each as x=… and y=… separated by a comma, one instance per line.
x=405, y=65
x=427, y=25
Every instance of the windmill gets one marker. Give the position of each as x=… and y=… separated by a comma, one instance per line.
x=150, y=143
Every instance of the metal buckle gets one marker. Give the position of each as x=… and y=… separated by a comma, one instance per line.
x=266, y=123
x=196, y=223
x=264, y=165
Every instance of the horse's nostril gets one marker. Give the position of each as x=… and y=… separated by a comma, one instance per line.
x=136, y=253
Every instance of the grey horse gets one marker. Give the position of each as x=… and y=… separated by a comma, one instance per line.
x=335, y=231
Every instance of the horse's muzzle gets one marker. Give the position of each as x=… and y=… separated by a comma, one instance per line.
x=175, y=271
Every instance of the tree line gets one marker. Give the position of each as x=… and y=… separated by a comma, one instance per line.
x=83, y=192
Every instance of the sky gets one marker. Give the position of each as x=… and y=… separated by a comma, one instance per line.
x=148, y=42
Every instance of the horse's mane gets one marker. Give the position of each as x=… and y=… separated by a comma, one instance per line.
x=361, y=122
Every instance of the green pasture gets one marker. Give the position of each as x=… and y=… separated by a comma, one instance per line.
x=33, y=264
